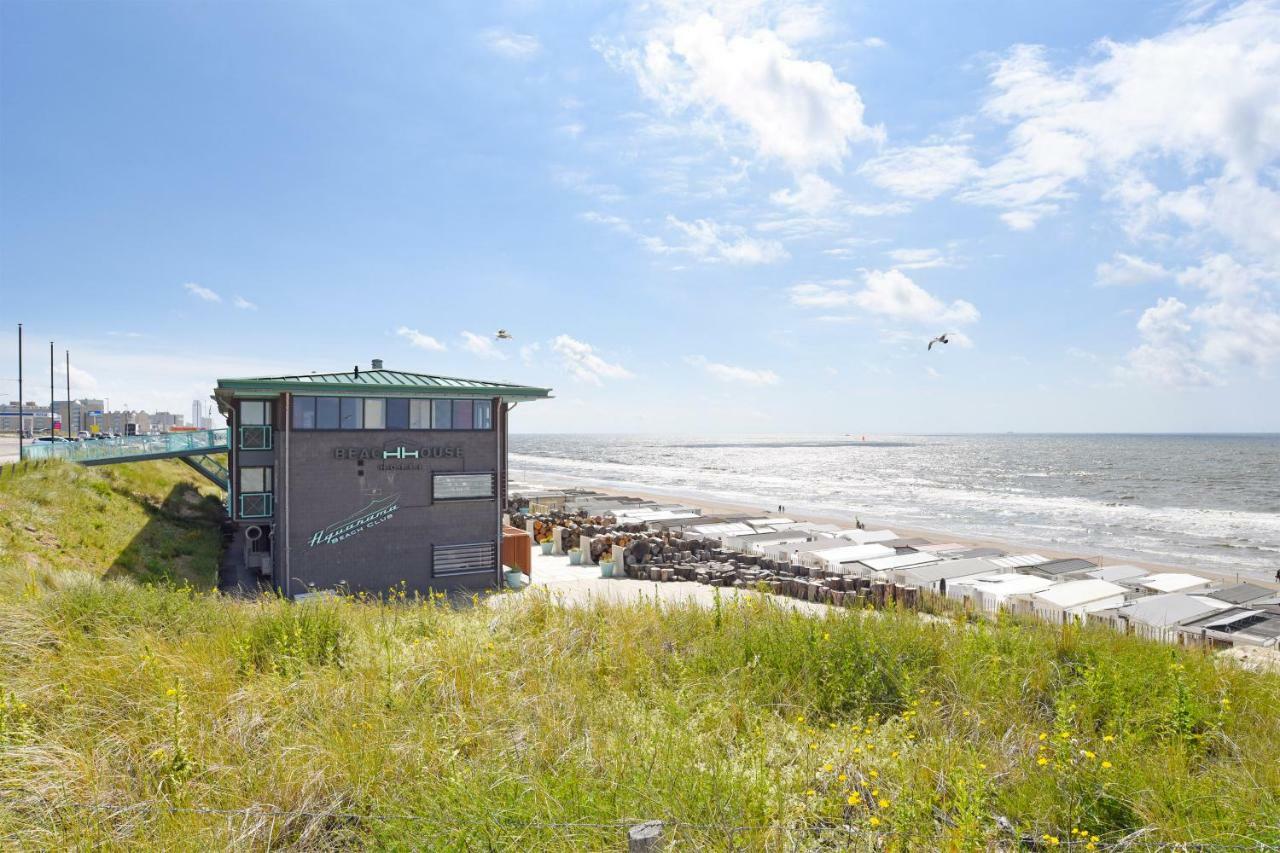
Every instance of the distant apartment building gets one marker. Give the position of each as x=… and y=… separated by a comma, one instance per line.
x=71, y=420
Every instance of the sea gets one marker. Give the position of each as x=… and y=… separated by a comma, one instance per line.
x=1196, y=501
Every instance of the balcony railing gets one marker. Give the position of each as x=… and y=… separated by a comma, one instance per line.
x=256, y=437
x=256, y=505
x=160, y=444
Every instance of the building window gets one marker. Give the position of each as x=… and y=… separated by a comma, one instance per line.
x=476, y=558
x=484, y=414
x=463, y=487
x=352, y=413
x=463, y=412
x=255, y=478
x=441, y=414
x=419, y=414
x=255, y=491
x=326, y=412
x=397, y=413
x=374, y=416
x=255, y=412
x=304, y=412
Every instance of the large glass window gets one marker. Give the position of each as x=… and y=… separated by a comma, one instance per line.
x=460, y=487
x=441, y=414
x=484, y=414
x=419, y=414
x=397, y=413
x=326, y=412
x=374, y=417
x=304, y=412
x=255, y=412
x=352, y=409
x=255, y=478
x=462, y=414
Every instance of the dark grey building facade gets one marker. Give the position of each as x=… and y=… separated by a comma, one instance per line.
x=370, y=479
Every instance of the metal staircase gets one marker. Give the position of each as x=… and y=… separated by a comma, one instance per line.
x=211, y=468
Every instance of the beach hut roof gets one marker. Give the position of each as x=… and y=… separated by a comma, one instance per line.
x=948, y=569
x=1242, y=593
x=1065, y=567
x=1117, y=573
x=1170, y=608
x=900, y=561
x=1074, y=593
x=1259, y=625
x=1005, y=583
x=848, y=553
x=1019, y=561
x=1171, y=581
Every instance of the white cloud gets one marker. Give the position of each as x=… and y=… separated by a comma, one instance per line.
x=481, y=345
x=1126, y=270
x=919, y=259
x=703, y=239
x=201, y=292
x=581, y=359
x=924, y=172
x=741, y=76
x=1199, y=98
x=812, y=194
x=419, y=340
x=889, y=294
x=243, y=304
x=1240, y=325
x=873, y=41
x=511, y=45
x=733, y=373
x=1166, y=355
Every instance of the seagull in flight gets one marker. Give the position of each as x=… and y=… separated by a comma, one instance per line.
x=940, y=339
x=503, y=335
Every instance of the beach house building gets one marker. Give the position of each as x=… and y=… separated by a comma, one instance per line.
x=1235, y=626
x=1158, y=617
x=1071, y=600
x=369, y=479
x=1117, y=573
x=836, y=558
x=1170, y=582
x=1242, y=594
x=991, y=593
x=936, y=576
x=1061, y=569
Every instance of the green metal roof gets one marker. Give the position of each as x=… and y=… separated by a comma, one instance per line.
x=389, y=382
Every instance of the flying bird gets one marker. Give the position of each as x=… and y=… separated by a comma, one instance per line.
x=940, y=339
x=503, y=335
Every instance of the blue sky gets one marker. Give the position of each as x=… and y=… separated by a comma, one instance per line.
x=692, y=216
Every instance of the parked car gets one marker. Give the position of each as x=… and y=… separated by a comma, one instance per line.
x=53, y=438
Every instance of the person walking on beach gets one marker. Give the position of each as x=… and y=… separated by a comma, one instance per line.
x=1277, y=575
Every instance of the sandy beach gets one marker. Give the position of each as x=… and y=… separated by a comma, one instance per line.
x=713, y=507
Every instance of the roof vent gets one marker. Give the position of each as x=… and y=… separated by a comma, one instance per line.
x=377, y=364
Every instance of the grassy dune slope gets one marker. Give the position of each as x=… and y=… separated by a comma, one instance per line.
x=147, y=521
x=164, y=717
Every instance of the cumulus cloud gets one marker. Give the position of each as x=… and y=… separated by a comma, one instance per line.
x=888, y=294
x=243, y=304
x=733, y=373
x=581, y=360
x=1126, y=270
x=1200, y=98
x=511, y=45
x=742, y=76
x=419, y=340
x=812, y=194
x=1166, y=356
x=201, y=292
x=481, y=345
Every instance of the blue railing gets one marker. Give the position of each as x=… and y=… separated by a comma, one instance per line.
x=131, y=446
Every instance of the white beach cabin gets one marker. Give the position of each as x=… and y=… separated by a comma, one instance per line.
x=1071, y=600
x=936, y=577
x=990, y=593
x=1158, y=617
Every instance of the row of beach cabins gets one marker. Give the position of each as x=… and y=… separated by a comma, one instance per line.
x=1171, y=607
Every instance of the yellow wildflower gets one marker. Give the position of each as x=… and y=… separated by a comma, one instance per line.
x=843, y=778
x=1044, y=736
x=1042, y=761
x=1108, y=738
x=875, y=821
x=884, y=804
x=853, y=800
x=1106, y=765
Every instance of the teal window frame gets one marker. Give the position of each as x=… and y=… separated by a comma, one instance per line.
x=270, y=436
x=270, y=504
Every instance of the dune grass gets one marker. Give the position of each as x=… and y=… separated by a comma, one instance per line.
x=159, y=716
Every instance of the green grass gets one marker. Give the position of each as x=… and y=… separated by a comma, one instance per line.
x=160, y=716
x=149, y=521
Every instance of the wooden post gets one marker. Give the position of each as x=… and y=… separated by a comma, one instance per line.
x=557, y=540
x=645, y=837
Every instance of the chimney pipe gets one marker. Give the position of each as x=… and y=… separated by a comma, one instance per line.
x=377, y=364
